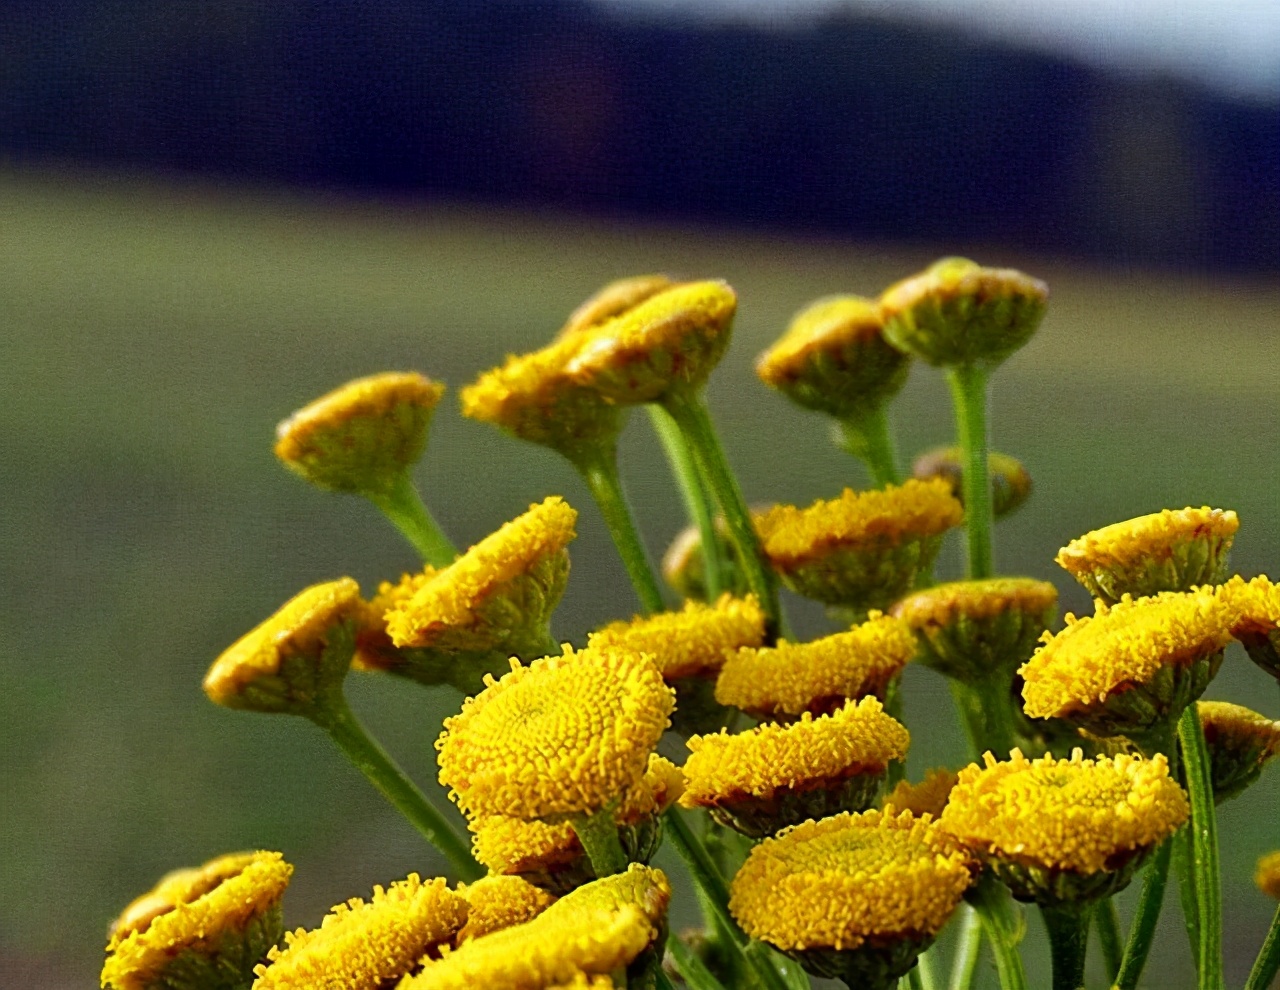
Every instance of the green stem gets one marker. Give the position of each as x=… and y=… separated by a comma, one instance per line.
x=1068, y=927
x=691, y=966
x=893, y=708
x=870, y=439
x=690, y=414
x=704, y=873
x=661, y=981
x=693, y=493
x=1106, y=919
x=600, y=472
x=404, y=507
x=1183, y=858
x=1267, y=964
x=923, y=975
x=1143, y=930
x=968, y=944
x=598, y=834
x=1205, y=869
x=337, y=719
x=969, y=395
x=986, y=712
x=1003, y=928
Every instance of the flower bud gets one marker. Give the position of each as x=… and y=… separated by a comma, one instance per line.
x=1010, y=482
x=1267, y=876
x=684, y=566
x=1256, y=621
x=1240, y=743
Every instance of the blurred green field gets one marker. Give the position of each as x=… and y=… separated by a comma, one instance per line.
x=151, y=337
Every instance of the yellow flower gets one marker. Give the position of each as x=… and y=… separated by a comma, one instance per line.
x=957, y=312
x=581, y=981
x=286, y=661
x=848, y=880
x=1268, y=875
x=221, y=917
x=694, y=641
x=637, y=886
x=500, y=593
x=613, y=300
x=1131, y=665
x=1010, y=481
x=1240, y=742
x=820, y=676
x=362, y=437
x=1256, y=606
x=772, y=776
x=498, y=902
x=684, y=568
x=863, y=549
x=362, y=946
x=834, y=359
x=1065, y=829
x=374, y=649
x=928, y=797
x=564, y=735
x=1171, y=550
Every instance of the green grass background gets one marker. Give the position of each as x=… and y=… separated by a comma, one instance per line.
x=151, y=337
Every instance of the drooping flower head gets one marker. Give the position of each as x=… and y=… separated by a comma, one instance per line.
x=500, y=594
x=564, y=735
x=498, y=902
x=863, y=549
x=956, y=312
x=1065, y=830
x=363, y=437
x=1256, y=608
x=363, y=945
x=1240, y=743
x=1267, y=876
x=1170, y=550
x=200, y=929
x=834, y=359
x=1131, y=665
x=929, y=797
x=978, y=630
x=817, y=677
x=1010, y=481
x=855, y=896
x=772, y=776
x=292, y=659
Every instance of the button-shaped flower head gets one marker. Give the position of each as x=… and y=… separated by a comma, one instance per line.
x=772, y=776
x=958, y=313
x=1171, y=550
x=200, y=929
x=363, y=437
x=1130, y=666
x=294, y=659
x=834, y=359
x=784, y=681
x=1010, y=480
x=612, y=301
x=1240, y=743
x=929, y=797
x=863, y=549
x=1256, y=608
x=498, y=902
x=855, y=897
x=364, y=945
x=1063, y=831
x=1267, y=876
x=565, y=735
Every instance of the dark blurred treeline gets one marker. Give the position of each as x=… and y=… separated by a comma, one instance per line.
x=840, y=125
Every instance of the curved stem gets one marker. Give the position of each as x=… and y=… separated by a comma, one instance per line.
x=1143, y=929
x=404, y=507
x=693, y=493
x=968, y=943
x=1068, y=927
x=1267, y=964
x=598, y=834
x=1206, y=871
x=870, y=439
x=340, y=722
x=600, y=472
x=969, y=395
x=1003, y=929
x=693, y=969
x=1106, y=919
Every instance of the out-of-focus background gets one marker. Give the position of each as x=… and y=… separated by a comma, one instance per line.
x=210, y=214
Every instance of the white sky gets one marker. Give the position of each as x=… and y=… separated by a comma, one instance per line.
x=1232, y=45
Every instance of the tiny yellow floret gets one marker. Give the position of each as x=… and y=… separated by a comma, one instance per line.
x=1267, y=876
x=929, y=797
x=498, y=902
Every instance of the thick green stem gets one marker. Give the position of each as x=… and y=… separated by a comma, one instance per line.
x=404, y=507
x=987, y=716
x=337, y=719
x=893, y=708
x=1003, y=928
x=968, y=945
x=690, y=414
x=1068, y=927
x=693, y=493
x=1106, y=919
x=1267, y=964
x=598, y=834
x=969, y=395
x=923, y=977
x=1183, y=857
x=1206, y=872
x=600, y=473
x=693, y=969
x=1143, y=929
x=870, y=439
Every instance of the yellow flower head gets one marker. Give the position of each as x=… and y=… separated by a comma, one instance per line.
x=1256, y=607
x=362, y=437
x=973, y=630
x=1240, y=742
x=1010, y=481
x=959, y=313
x=221, y=916
x=362, y=946
x=863, y=549
x=1065, y=829
x=581, y=981
x=499, y=594
x=817, y=677
x=301, y=651
x=637, y=886
x=694, y=641
x=498, y=902
x=671, y=340
x=374, y=649
x=1171, y=550
x=1268, y=875
x=928, y=797
x=612, y=301
x=772, y=776
x=834, y=359
x=1130, y=665
x=564, y=735
x=850, y=879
